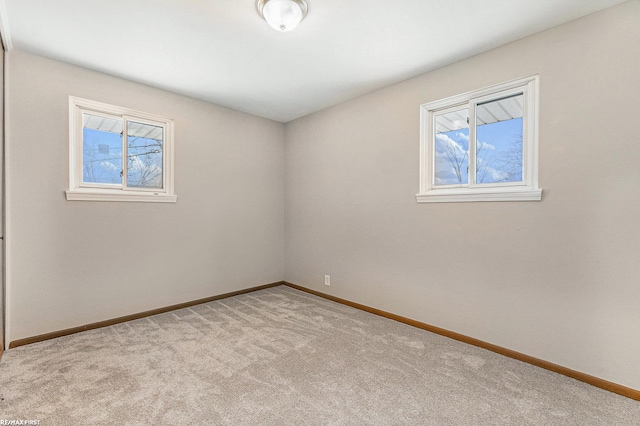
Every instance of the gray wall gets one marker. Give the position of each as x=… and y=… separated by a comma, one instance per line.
x=556, y=279
x=72, y=262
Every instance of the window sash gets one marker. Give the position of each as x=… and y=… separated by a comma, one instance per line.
x=473, y=140
x=125, y=154
x=432, y=145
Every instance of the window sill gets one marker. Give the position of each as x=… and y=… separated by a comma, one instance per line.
x=118, y=195
x=481, y=194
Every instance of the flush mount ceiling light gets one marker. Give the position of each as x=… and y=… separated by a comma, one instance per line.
x=282, y=15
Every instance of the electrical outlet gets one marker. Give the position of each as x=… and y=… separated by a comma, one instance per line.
x=327, y=280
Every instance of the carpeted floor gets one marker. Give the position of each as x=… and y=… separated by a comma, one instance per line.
x=280, y=356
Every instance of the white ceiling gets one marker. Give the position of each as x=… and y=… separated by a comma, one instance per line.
x=222, y=51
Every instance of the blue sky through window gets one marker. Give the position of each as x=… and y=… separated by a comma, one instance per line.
x=101, y=157
x=144, y=155
x=498, y=158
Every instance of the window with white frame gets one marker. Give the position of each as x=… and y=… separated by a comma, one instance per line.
x=118, y=154
x=481, y=145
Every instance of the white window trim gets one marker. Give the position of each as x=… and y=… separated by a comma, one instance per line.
x=527, y=190
x=78, y=191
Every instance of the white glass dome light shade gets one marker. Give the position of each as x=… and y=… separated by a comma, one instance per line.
x=282, y=15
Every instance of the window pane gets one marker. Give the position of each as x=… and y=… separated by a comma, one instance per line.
x=499, y=140
x=101, y=149
x=451, y=162
x=144, y=155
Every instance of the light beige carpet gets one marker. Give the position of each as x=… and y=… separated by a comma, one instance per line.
x=278, y=357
